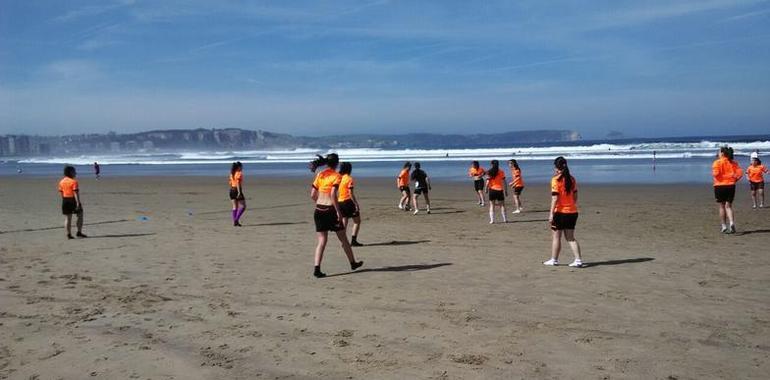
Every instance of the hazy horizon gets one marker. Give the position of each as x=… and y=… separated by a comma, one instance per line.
x=658, y=69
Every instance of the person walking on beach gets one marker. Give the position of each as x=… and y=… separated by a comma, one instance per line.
x=496, y=191
x=70, y=192
x=726, y=173
x=236, y=192
x=564, y=213
x=348, y=202
x=97, y=169
x=517, y=184
x=421, y=187
x=755, y=173
x=477, y=173
x=328, y=216
x=402, y=182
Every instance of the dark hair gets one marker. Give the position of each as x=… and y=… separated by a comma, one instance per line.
x=561, y=164
x=759, y=162
x=514, y=163
x=492, y=172
x=727, y=152
x=407, y=165
x=234, y=168
x=346, y=168
x=416, y=165
x=331, y=160
x=475, y=164
x=69, y=171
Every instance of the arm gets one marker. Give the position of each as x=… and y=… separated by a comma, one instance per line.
x=554, y=198
x=427, y=181
x=505, y=188
x=77, y=199
x=240, y=189
x=486, y=186
x=336, y=204
x=313, y=194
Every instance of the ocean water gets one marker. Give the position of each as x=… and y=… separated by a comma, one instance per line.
x=686, y=160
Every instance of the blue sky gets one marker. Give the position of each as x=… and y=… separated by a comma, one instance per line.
x=645, y=68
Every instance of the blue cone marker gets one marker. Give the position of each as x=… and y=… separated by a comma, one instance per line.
x=143, y=218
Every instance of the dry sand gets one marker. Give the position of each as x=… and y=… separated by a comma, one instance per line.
x=184, y=295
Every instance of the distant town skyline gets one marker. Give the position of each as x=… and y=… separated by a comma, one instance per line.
x=647, y=69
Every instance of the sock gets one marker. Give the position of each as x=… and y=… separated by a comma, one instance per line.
x=235, y=212
x=240, y=213
x=354, y=239
x=317, y=270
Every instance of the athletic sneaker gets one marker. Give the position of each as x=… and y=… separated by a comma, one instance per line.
x=356, y=244
x=517, y=211
x=576, y=264
x=81, y=235
x=428, y=211
x=416, y=211
x=724, y=229
x=551, y=262
x=732, y=229
x=400, y=207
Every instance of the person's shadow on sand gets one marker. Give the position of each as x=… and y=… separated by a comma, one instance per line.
x=119, y=236
x=617, y=262
x=754, y=232
x=396, y=242
x=399, y=268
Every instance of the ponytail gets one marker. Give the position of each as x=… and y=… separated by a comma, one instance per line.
x=331, y=160
x=561, y=164
x=513, y=163
x=492, y=172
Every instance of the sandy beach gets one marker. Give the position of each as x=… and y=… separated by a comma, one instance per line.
x=166, y=288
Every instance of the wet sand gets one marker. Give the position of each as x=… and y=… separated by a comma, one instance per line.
x=166, y=288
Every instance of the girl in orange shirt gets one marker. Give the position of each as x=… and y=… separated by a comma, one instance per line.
x=402, y=182
x=348, y=202
x=70, y=202
x=517, y=184
x=328, y=216
x=476, y=172
x=564, y=213
x=236, y=192
x=726, y=173
x=755, y=173
x=496, y=191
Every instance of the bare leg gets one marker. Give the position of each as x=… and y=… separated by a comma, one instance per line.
x=555, y=244
x=346, y=246
x=722, y=214
x=414, y=203
x=319, y=249
x=729, y=212
x=356, y=225
x=491, y=212
x=754, y=198
x=569, y=236
x=427, y=201
x=761, y=197
x=68, y=224
x=481, y=197
x=502, y=212
x=79, y=222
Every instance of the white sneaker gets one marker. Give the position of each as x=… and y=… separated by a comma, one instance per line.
x=724, y=229
x=517, y=211
x=416, y=211
x=754, y=206
x=576, y=264
x=551, y=262
x=428, y=211
x=491, y=222
x=400, y=207
x=482, y=204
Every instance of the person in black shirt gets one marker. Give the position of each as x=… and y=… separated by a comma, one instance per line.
x=421, y=187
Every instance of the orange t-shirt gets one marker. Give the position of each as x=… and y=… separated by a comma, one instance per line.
x=517, y=180
x=236, y=179
x=67, y=187
x=725, y=172
x=346, y=184
x=497, y=182
x=755, y=173
x=403, y=178
x=473, y=172
x=565, y=202
x=326, y=180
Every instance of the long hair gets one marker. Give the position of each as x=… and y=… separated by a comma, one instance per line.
x=331, y=160
x=727, y=152
x=495, y=167
x=513, y=163
x=346, y=168
x=759, y=162
x=561, y=164
x=407, y=165
x=475, y=164
x=237, y=165
x=69, y=171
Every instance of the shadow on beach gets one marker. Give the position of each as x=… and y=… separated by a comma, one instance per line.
x=62, y=227
x=400, y=268
x=397, y=242
x=765, y=231
x=274, y=224
x=118, y=236
x=617, y=262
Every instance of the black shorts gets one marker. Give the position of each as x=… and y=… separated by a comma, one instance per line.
x=478, y=185
x=348, y=209
x=234, y=195
x=756, y=185
x=69, y=206
x=517, y=190
x=725, y=193
x=421, y=190
x=405, y=188
x=326, y=219
x=496, y=195
x=564, y=221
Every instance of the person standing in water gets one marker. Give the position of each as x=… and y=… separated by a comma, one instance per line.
x=71, y=202
x=477, y=173
x=421, y=187
x=236, y=192
x=726, y=173
x=564, y=213
x=348, y=202
x=496, y=191
x=755, y=173
x=517, y=184
x=328, y=216
x=97, y=170
x=402, y=182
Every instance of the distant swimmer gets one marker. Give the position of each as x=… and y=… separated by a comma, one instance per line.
x=421, y=187
x=236, y=192
x=402, y=182
x=477, y=173
x=348, y=203
x=328, y=216
x=97, y=169
x=19, y=170
x=726, y=173
x=71, y=202
x=756, y=175
x=496, y=190
x=517, y=184
x=564, y=213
